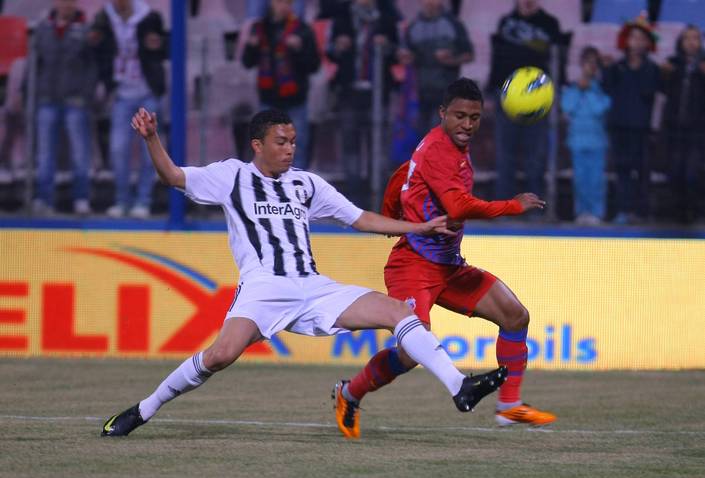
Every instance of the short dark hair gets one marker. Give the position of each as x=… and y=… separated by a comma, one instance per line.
x=463, y=88
x=589, y=51
x=262, y=121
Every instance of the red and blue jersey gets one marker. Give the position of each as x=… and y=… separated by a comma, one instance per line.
x=437, y=181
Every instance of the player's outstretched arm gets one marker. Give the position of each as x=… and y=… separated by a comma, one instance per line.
x=530, y=201
x=145, y=124
x=373, y=222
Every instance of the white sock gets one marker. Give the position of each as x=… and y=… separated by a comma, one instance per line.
x=501, y=406
x=424, y=348
x=187, y=376
x=347, y=395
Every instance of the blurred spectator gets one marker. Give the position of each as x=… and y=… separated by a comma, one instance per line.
x=333, y=8
x=355, y=34
x=586, y=105
x=436, y=43
x=523, y=38
x=684, y=121
x=632, y=83
x=131, y=48
x=12, y=119
x=66, y=78
x=284, y=50
x=259, y=8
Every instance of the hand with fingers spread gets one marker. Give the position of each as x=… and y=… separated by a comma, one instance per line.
x=437, y=225
x=455, y=225
x=145, y=123
x=530, y=201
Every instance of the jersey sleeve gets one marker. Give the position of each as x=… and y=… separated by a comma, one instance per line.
x=391, y=202
x=210, y=184
x=328, y=203
x=441, y=172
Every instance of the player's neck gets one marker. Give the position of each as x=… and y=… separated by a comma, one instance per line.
x=462, y=149
x=264, y=170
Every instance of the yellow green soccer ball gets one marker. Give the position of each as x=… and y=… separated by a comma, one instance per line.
x=527, y=95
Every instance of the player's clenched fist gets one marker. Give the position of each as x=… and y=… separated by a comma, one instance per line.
x=145, y=123
x=530, y=201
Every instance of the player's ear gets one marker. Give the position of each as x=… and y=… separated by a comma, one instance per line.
x=256, y=146
x=442, y=112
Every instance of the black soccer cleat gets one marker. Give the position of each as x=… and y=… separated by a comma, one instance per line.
x=476, y=387
x=121, y=425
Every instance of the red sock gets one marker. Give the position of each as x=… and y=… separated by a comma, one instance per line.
x=512, y=353
x=382, y=369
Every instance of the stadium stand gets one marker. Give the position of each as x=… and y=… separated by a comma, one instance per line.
x=32, y=10
x=237, y=8
x=228, y=83
x=481, y=19
x=617, y=11
x=318, y=93
x=602, y=36
x=480, y=15
x=91, y=7
x=684, y=11
x=568, y=12
x=13, y=41
x=409, y=8
x=668, y=33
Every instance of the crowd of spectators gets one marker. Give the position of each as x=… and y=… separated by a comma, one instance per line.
x=117, y=60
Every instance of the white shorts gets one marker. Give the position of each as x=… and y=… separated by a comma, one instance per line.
x=302, y=305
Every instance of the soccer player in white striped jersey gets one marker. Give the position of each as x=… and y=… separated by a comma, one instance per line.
x=268, y=206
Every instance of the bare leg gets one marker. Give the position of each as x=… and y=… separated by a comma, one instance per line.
x=499, y=305
x=375, y=310
x=235, y=335
x=378, y=311
x=502, y=307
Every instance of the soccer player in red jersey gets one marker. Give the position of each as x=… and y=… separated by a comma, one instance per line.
x=423, y=271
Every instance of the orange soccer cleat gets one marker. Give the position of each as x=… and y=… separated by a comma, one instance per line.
x=524, y=413
x=347, y=412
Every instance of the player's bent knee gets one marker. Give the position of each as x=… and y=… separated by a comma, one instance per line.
x=519, y=318
x=218, y=357
x=401, y=311
x=395, y=311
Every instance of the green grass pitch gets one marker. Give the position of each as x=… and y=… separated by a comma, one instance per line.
x=275, y=420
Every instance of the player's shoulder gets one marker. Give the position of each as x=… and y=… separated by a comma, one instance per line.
x=305, y=176
x=228, y=164
x=234, y=163
x=401, y=172
x=435, y=142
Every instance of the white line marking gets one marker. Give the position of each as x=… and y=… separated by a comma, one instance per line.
x=257, y=423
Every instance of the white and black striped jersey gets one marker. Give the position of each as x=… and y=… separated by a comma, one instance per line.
x=268, y=219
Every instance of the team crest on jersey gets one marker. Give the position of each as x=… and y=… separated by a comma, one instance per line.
x=300, y=191
x=411, y=302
